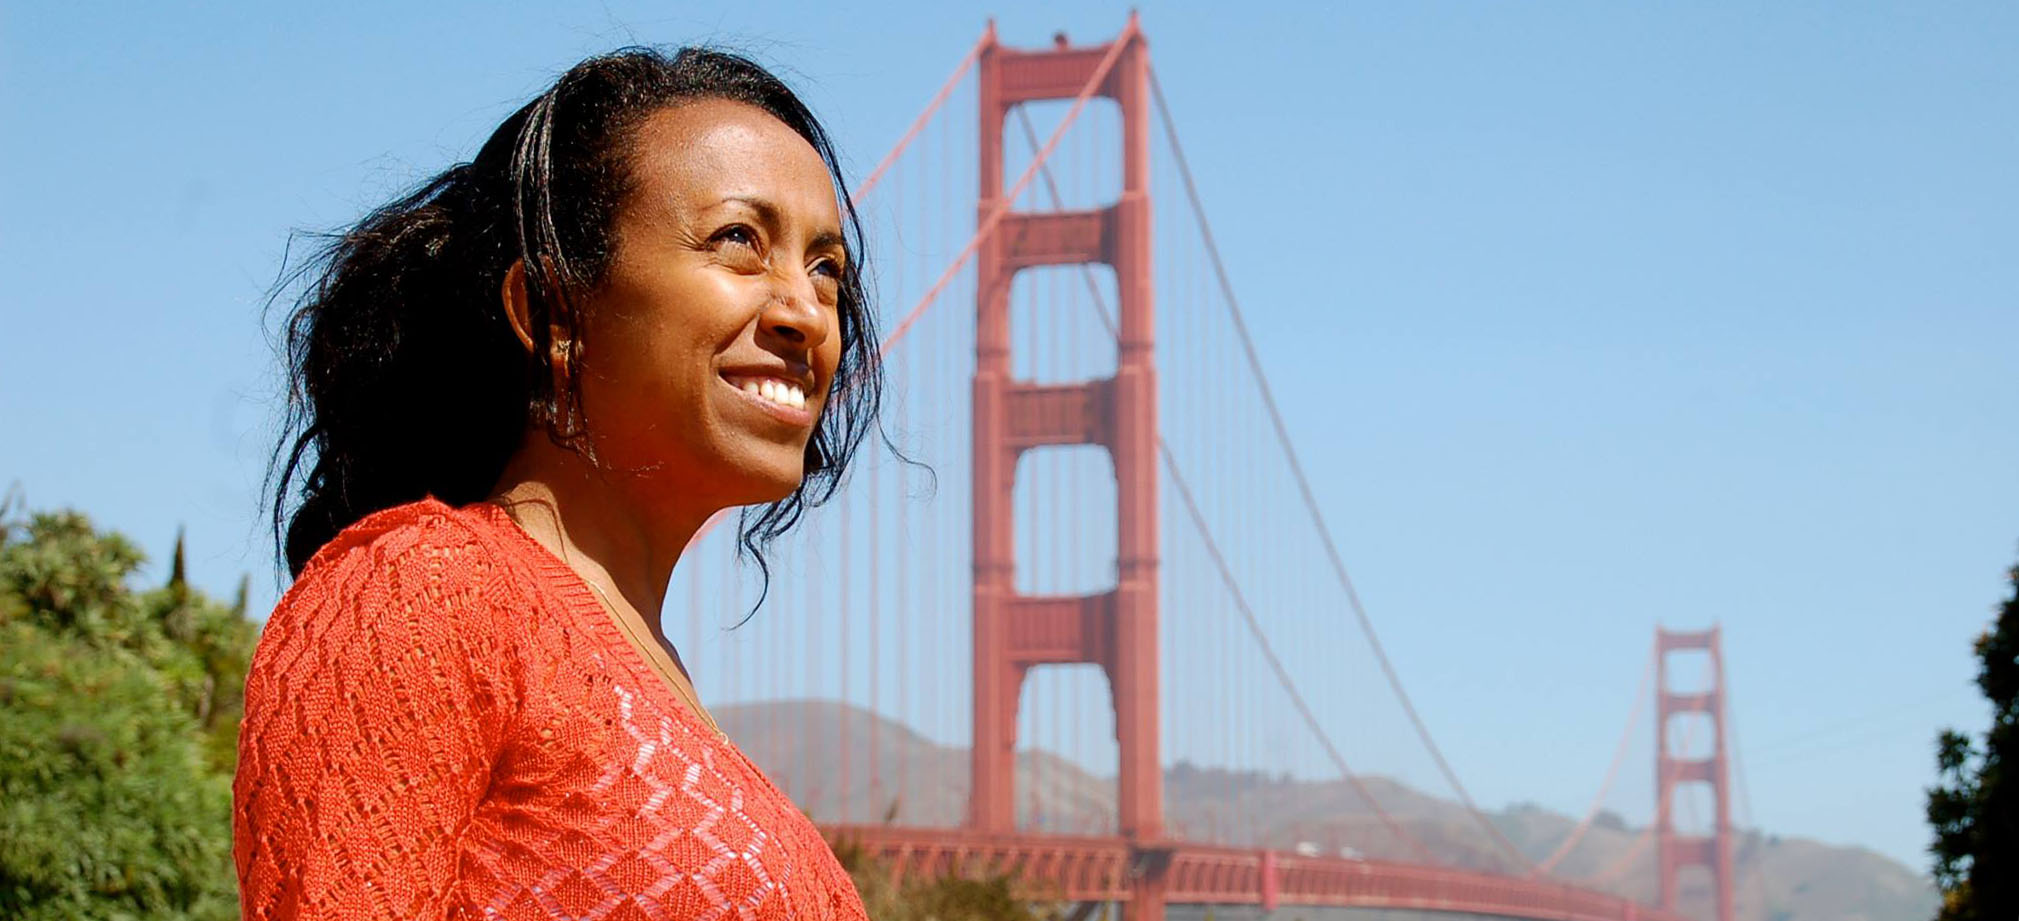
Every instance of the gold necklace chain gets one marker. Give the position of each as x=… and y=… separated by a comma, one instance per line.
x=678, y=687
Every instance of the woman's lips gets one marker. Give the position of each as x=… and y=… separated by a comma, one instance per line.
x=783, y=399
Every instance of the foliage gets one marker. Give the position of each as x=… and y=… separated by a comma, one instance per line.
x=946, y=898
x=118, y=719
x=1974, y=809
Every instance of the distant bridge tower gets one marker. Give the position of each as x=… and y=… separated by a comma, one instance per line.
x=1672, y=852
x=1116, y=630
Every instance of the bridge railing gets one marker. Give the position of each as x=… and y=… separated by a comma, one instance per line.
x=1106, y=869
x=1064, y=868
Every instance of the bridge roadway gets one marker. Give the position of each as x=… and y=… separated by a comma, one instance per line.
x=1091, y=870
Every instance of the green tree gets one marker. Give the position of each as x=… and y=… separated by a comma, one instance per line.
x=118, y=719
x=1974, y=809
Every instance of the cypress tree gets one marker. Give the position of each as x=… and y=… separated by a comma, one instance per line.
x=1974, y=808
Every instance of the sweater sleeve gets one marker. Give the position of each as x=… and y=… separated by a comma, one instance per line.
x=378, y=701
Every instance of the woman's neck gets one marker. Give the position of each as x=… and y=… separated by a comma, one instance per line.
x=615, y=537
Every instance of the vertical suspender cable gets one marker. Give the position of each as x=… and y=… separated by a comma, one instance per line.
x=874, y=710
x=845, y=637
x=1304, y=488
x=1200, y=525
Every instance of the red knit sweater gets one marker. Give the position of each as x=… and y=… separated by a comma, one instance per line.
x=442, y=722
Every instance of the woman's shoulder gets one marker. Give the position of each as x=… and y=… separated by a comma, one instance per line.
x=392, y=651
x=453, y=561
x=426, y=523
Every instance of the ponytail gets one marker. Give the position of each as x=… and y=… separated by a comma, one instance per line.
x=407, y=378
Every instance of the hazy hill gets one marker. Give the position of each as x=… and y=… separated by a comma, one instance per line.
x=802, y=744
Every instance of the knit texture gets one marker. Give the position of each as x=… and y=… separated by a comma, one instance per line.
x=443, y=723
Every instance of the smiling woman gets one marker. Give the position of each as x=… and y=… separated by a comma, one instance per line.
x=518, y=393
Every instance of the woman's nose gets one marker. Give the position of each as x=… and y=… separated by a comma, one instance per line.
x=795, y=316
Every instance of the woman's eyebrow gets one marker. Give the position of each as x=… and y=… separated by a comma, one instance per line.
x=772, y=217
x=766, y=211
x=829, y=240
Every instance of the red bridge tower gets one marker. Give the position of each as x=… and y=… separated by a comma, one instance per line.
x=1672, y=852
x=1117, y=629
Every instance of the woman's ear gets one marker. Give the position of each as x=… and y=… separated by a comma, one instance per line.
x=518, y=304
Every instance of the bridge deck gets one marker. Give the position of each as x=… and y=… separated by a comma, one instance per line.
x=1107, y=869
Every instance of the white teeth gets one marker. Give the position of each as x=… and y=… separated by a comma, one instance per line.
x=776, y=391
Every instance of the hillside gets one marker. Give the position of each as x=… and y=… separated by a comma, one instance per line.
x=1780, y=879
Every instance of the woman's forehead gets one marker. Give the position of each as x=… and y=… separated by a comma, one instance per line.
x=706, y=153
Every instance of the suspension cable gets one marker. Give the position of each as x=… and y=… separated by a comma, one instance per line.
x=1304, y=484
x=918, y=124
x=1276, y=664
x=1227, y=576
x=1612, y=871
x=988, y=224
x=1730, y=728
x=1640, y=697
x=1663, y=807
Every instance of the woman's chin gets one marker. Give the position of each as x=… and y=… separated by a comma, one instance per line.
x=761, y=483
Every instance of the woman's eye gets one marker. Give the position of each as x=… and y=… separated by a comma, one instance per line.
x=827, y=280
x=737, y=234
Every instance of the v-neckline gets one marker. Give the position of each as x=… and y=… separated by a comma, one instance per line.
x=581, y=605
x=587, y=610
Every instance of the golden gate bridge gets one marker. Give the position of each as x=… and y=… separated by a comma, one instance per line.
x=1061, y=543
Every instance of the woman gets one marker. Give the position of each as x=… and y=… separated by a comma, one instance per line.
x=519, y=392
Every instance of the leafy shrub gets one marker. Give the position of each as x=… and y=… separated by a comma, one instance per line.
x=118, y=721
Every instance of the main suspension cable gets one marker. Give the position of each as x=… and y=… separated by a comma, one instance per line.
x=1304, y=485
x=1233, y=587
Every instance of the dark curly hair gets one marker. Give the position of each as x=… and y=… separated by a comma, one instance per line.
x=405, y=376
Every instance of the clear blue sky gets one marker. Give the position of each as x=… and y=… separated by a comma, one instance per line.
x=1591, y=315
